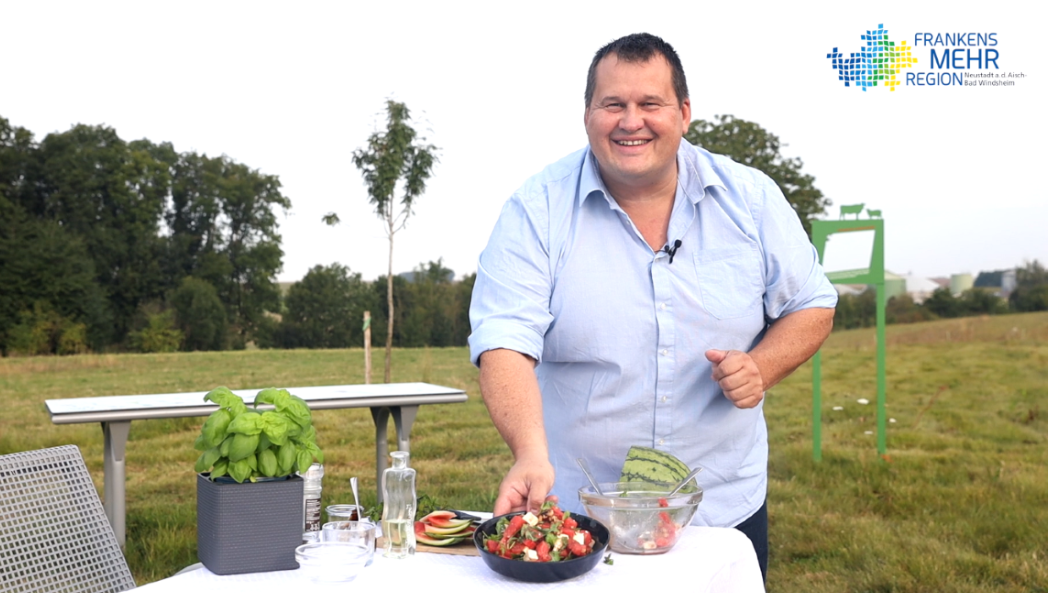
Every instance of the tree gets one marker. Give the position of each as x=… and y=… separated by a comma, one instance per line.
x=224, y=231
x=110, y=195
x=42, y=263
x=1031, y=290
x=325, y=309
x=395, y=160
x=199, y=315
x=943, y=304
x=752, y=145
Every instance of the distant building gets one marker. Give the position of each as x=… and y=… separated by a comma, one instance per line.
x=920, y=288
x=850, y=289
x=960, y=283
x=1000, y=282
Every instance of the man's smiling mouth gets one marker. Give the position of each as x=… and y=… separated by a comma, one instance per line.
x=631, y=142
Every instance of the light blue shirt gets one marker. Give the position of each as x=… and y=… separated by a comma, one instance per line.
x=620, y=332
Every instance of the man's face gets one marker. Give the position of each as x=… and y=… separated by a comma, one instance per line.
x=635, y=122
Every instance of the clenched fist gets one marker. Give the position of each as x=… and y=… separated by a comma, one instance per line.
x=738, y=377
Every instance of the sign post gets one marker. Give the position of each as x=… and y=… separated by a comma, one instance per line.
x=872, y=275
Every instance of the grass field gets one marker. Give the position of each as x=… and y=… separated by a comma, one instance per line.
x=960, y=504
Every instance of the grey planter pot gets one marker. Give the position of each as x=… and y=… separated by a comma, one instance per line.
x=249, y=527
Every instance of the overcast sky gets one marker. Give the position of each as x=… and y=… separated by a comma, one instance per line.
x=292, y=89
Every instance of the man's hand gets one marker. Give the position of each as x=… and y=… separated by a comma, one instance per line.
x=525, y=487
x=738, y=376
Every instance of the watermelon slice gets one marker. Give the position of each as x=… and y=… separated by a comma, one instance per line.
x=422, y=538
x=451, y=527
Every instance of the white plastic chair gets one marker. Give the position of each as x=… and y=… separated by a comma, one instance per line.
x=54, y=534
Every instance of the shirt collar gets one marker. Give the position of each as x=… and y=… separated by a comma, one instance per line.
x=695, y=173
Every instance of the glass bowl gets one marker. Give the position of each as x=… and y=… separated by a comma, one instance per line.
x=640, y=517
x=330, y=561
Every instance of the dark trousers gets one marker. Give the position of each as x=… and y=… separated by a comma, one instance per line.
x=756, y=528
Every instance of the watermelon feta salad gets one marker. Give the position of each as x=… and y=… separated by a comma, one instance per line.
x=550, y=536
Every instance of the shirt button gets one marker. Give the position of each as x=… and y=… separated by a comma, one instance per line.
x=665, y=352
x=661, y=441
x=664, y=399
x=662, y=306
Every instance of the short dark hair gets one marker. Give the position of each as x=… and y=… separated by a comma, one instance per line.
x=639, y=47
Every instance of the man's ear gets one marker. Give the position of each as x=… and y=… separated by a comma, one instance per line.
x=685, y=111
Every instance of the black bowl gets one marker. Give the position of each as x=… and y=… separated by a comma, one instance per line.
x=543, y=572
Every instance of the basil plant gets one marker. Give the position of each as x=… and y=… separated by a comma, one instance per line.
x=246, y=443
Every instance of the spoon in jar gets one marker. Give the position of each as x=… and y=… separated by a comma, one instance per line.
x=356, y=501
x=686, y=479
x=589, y=476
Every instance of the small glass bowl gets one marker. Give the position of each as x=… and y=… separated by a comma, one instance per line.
x=331, y=562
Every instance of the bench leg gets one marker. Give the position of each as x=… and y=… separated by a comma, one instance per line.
x=115, y=475
x=381, y=418
x=403, y=419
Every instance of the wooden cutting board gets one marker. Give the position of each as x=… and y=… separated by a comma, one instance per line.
x=465, y=548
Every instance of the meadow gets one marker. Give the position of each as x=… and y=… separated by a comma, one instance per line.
x=959, y=503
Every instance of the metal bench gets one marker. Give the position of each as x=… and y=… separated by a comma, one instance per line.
x=115, y=413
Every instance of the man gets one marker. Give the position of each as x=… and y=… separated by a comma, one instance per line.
x=643, y=292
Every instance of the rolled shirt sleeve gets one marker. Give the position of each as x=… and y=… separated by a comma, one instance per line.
x=510, y=303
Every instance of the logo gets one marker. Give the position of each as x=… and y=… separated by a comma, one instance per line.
x=875, y=65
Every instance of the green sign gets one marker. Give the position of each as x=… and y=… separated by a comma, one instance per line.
x=872, y=275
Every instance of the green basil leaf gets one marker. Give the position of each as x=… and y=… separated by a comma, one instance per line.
x=238, y=407
x=201, y=444
x=215, y=427
x=267, y=463
x=252, y=462
x=207, y=459
x=314, y=450
x=249, y=423
x=240, y=470
x=276, y=426
x=286, y=457
x=266, y=396
x=263, y=443
x=305, y=459
x=243, y=445
x=223, y=397
x=306, y=435
x=224, y=447
x=297, y=410
x=220, y=469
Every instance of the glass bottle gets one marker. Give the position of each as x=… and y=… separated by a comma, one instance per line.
x=311, y=488
x=398, y=512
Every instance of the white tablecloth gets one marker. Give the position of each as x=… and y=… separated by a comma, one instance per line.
x=706, y=559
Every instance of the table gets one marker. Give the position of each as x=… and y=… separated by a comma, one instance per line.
x=706, y=559
x=116, y=412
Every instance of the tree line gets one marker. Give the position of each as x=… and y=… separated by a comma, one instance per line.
x=326, y=309
x=1030, y=294
x=109, y=244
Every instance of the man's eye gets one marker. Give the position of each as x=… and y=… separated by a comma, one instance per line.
x=613, y=106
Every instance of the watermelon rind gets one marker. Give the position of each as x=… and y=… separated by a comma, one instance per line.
x=644, y=464
x=452, y=527
x=422, y=538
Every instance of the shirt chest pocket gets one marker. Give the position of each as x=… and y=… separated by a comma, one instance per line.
x=731, y=281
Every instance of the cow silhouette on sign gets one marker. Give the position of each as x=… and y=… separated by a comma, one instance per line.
x=855, y=209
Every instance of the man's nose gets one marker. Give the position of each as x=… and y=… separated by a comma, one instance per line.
x=632, y=119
